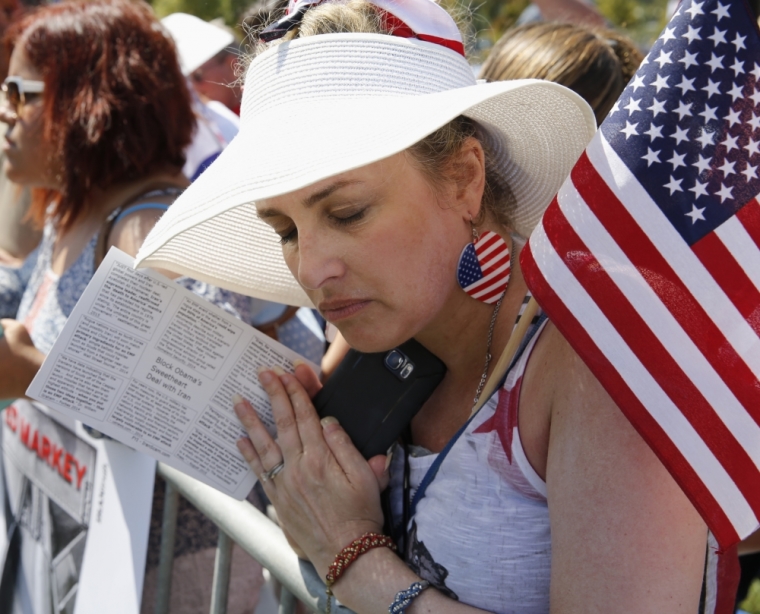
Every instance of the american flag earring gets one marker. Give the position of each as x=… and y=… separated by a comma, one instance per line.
x=484, y=267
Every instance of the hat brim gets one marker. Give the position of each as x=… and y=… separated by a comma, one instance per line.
x=212, y=232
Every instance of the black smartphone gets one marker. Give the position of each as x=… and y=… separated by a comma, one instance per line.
x=375, y=396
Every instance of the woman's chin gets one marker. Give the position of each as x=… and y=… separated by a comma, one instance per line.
x=17, y=175
x=370, y=342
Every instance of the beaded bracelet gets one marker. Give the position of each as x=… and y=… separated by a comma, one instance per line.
x=404, y=598
x=349, y=554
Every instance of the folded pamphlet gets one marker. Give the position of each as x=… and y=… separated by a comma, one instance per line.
x=154, y=366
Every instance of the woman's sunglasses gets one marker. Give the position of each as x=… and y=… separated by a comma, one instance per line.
x=18, y=91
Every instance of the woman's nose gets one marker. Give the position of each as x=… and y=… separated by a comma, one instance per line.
x=7, y=115
x=317, y=261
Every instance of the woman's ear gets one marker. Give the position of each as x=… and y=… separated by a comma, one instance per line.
x=471, y=178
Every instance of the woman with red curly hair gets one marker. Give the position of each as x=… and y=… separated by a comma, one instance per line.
x=99, y=116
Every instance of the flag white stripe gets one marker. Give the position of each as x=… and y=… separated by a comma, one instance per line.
x=741, y=246
x=661, y=321
x=499, y=257
x=639, y=380
x=487, y=278
x=676, y=252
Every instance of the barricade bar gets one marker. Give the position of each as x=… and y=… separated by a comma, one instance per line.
x=257, y=535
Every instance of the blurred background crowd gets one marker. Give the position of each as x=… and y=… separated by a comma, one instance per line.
x=88, y=165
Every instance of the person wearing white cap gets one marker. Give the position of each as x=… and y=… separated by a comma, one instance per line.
x=371, y=177
x=198, y=43
x=208, y=56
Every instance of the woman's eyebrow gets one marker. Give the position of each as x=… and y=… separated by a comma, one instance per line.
x=311, y=200
x=328, y=191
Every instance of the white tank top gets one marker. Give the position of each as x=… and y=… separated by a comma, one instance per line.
x=480, y=534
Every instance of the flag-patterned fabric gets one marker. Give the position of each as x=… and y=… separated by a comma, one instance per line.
x=422, y=19
x=484, y=268
x=648, y=260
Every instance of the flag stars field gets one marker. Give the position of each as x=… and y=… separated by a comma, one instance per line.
x=704, y=77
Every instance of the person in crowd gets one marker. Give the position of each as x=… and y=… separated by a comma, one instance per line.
x=197, y=42
x=18, y=236
x=216, y=79
x=98, y=128
x=384, y=164
x=208, y=56
x=87, y=152
x=259, y=14
x=584, y=12
x=595, y=63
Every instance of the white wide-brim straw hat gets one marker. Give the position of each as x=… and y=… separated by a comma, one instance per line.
x=319, y=106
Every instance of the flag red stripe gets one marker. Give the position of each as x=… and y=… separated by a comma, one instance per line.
x=749, y=216
x=728, y=575
x=485, y=242
x=652, y=354
x=629, y=403
x=667, y=285
x=730, y=276
x=495, y=285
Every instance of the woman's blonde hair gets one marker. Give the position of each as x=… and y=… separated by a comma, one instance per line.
x=438, y=154
x=595, y=63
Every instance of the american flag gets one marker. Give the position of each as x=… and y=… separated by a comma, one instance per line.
x=484, y=268
x=648, y=260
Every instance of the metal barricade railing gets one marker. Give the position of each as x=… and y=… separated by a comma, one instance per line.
x=241, y=523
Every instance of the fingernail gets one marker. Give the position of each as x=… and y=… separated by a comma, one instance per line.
x=278, y=370
x=328, y=420
x=237, y=399
x=298, y=362
x=265, y=376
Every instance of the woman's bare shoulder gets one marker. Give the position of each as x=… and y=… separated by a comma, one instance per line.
x=130, y=231
x=619, y=519
x=555, y=371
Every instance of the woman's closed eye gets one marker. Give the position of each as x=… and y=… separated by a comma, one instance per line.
x=341, y=218
x=347, y=217
x=288, y=235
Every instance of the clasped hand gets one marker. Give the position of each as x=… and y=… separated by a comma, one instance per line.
x=327, y=494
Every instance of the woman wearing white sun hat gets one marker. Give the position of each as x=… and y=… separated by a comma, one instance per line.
x=368, y=158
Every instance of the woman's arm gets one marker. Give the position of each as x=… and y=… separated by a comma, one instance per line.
x=327, y=495
x=129, y=232
x=13, y=282
x=19, y=360
x=623, y=532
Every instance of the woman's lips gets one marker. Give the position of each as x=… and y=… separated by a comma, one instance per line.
x=332, y=311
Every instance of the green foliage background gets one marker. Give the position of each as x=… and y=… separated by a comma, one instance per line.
x=229, y=10
x=642, y=20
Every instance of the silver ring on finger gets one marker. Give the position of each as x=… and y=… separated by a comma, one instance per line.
x=270, y=475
